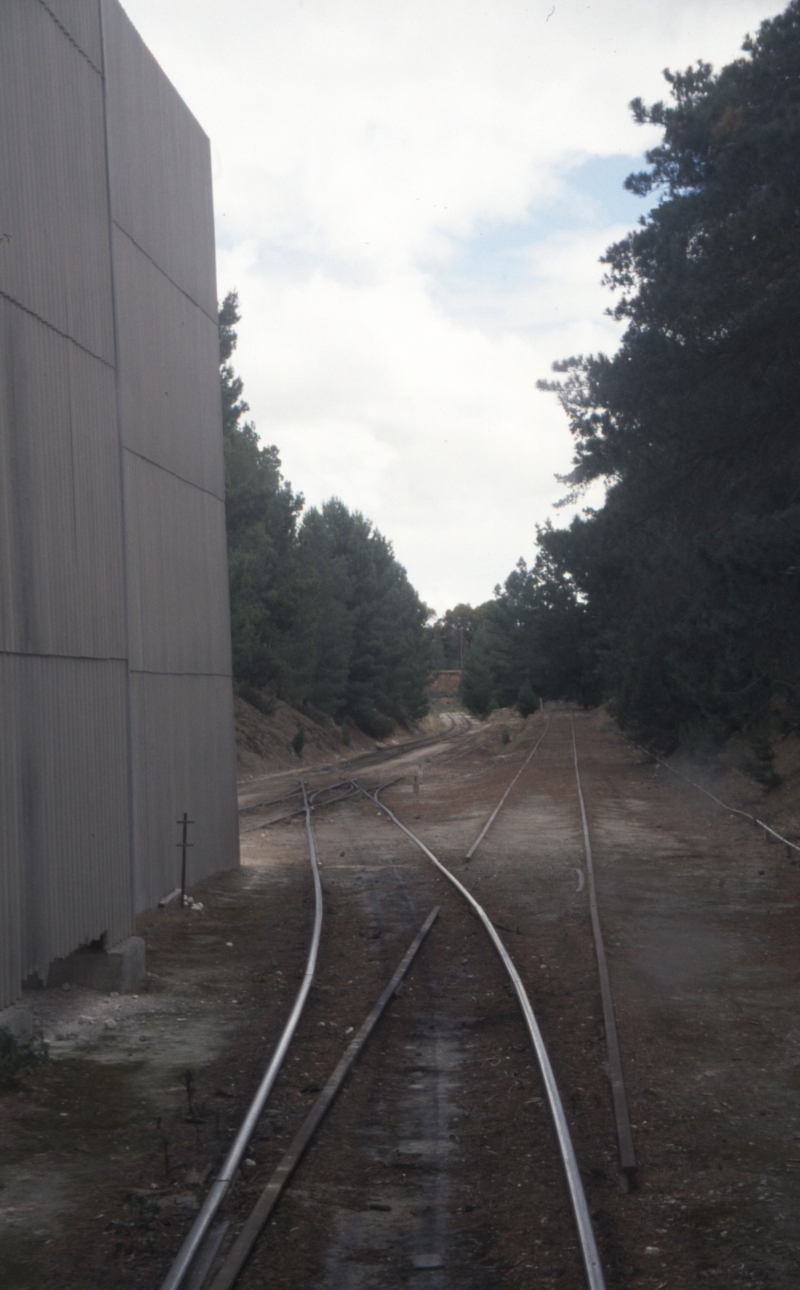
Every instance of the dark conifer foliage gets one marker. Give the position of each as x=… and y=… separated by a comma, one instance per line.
x=452, y=635
x=535, y=640
x=322, y=614
x=687, y=577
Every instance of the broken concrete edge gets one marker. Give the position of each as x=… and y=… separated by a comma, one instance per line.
x=121, y=968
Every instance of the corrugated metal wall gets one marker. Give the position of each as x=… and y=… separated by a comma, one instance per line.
x=161, y=163
x=79, y=19
x=169, y=378
x=61, y=537
x=53, y=184
x=114, y=640
x=185, y=761
x=179, y=625
x=71, y=799
x=176, y=572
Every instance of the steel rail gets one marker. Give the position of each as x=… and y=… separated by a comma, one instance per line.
x=734, y=810
x=498, y=808
x=242, y=1246
x=292, y=815
x=482, y=737
x=327, y=788
x=272, y=801
x=627, y=1153
x=591, y=1258
x=378, y=755
x=227, y=1173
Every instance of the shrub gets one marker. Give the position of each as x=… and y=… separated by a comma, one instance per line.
x=373, y=723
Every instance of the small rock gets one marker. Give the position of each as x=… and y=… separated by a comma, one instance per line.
x=251, y=1164
x=427, y=1261
x=652, y=1249
x=110, y=1023
x=183, y=1200
x=229, y=944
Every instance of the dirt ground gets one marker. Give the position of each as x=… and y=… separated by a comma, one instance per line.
x=437, y=1166
x=265, y=740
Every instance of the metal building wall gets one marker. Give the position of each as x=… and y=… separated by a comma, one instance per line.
x=183, y=735
x=115, y=691
x=179, y=623
x=64, y=803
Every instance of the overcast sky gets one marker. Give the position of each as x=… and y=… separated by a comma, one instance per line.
x=411, y=199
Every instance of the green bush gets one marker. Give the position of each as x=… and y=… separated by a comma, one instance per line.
x=373, y=723
x=299, y=741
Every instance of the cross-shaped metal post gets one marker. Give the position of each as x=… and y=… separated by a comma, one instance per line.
x=183, y=844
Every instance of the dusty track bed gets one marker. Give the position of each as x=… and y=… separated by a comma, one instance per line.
x=439, y=1148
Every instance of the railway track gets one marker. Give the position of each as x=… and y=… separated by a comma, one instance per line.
x=201, y=1251
x=436, y=1165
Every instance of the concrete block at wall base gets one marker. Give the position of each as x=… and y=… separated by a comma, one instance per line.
x=122, y=968
x=17, y=1021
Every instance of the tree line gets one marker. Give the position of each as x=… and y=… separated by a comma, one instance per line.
x=676, y=600
x=322, y=614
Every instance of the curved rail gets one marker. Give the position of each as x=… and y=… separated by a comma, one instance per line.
x=591, y=1258
x=225, y=1177
x=734, y=810
x=498, y=808
x=240, y=1251
x=312, y=801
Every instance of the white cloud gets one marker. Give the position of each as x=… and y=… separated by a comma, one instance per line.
x=361, y=151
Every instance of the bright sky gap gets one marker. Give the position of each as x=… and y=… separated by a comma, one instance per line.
x=411, y=202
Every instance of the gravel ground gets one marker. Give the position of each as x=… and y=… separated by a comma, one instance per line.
x=436, y=1166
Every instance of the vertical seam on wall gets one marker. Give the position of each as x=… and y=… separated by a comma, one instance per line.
x=118, y=403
